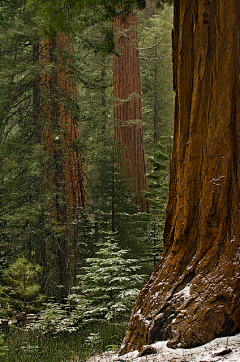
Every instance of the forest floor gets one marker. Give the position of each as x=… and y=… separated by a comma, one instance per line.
x=220, y=349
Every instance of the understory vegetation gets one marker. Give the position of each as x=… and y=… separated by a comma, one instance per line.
x=24, y=346
x=75, y=247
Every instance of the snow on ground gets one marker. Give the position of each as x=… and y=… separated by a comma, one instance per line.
x=220, y=349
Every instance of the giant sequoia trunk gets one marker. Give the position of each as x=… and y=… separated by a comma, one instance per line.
x=193, y=294
x=61, y=135
x=61, y=132
x=127, y=93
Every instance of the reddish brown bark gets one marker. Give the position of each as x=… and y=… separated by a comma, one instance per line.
x=193, y=294
x=127, y=94
x=63, y=131
x=60, y=136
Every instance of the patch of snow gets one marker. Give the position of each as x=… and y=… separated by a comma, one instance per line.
x=185, y=292
x=208, y=352
x=216, y=181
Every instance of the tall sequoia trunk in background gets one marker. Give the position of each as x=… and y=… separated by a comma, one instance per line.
x=193, y=294
x=156, y=109
x=127, y=94
x=60, y=136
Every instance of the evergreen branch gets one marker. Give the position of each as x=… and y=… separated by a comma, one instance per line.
x=153, y=46
x=158, y=58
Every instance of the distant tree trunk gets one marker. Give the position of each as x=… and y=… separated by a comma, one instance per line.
x=40, y=252
x=193, y=294
x=127, y=94
x=60, y=138
x=155, y=111
x=104, y=101
x=36, y=90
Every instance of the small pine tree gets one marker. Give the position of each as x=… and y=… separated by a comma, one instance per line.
x=57, y=318
x=114, y=210
x=158, y=185
x=111, y=282
x=20, y=288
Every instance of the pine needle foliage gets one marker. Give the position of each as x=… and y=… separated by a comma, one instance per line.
x=113, y=207
x=157, y=194
x=20, y=151
x=161, y=3
x=21, y=291
x=27, y=171
x=56, y=318
x=111, y=282
x=3, y=346
x=155, y=54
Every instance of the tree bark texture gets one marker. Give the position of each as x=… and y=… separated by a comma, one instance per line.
x=127, y=94
x=156, y=107
x=60, y=137
x=63, y=133
x=193, y=294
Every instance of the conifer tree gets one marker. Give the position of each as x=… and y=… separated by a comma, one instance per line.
x=20, y=289
x=157, y=193
x=155, y=49
x=21, y=181
x=42, y=197
x=61, y=135
x=127, y=94
x=114, y=210
x=32, y=173
x=111, y=282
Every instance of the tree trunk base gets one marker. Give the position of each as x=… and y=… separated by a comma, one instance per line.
x=201, y=305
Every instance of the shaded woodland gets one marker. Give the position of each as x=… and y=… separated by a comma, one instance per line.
x=86, y=139
x=110, y=198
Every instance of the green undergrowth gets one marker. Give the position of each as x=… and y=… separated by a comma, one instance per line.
x=25, y=346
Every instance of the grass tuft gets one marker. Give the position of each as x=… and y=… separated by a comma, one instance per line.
x=25, y=346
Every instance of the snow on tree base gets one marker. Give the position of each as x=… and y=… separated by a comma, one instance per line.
x=210, y=352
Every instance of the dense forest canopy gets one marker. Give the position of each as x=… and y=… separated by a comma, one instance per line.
x=65, y=185
x=86, y=147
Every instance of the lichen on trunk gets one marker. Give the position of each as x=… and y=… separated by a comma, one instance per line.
x=193, y=294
